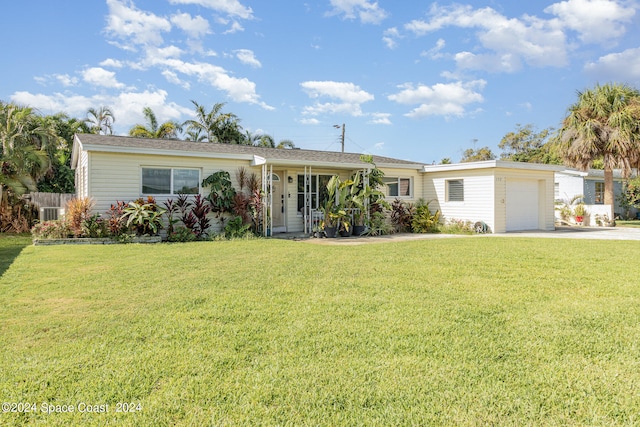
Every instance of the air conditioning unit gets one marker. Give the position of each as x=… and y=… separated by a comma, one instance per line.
x=51, y=213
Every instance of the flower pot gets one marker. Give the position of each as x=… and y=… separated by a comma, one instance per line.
x=358, y=230
x=579, y=219
x=346, y=233
x=330, y=231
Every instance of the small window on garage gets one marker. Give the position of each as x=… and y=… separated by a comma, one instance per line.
x=599, y=196
x=455, y=190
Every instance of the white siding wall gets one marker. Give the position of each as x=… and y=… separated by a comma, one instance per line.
x=479, y=195
x=117, y=177
x=569, y=185
x=485, y=193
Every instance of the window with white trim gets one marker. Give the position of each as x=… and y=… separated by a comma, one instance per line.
x=599, y=196
x=171, y=181
x=398, y=187
x=455, y=190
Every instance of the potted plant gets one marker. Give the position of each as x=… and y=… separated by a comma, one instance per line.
x=579, y=211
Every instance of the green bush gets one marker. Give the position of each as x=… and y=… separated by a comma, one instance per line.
x=423, y=221
x=181, y=234
x=235, y=228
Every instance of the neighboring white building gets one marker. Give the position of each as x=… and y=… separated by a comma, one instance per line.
x=570, y=183
x=507, y=196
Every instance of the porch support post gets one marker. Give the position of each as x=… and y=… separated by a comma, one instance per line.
x=306, y=210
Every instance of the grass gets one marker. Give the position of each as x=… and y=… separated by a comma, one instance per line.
x=465, y=332
x=628, y=223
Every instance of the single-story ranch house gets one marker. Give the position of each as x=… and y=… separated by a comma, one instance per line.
x=507, y=196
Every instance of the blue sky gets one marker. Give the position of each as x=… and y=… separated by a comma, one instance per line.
x=414, y=80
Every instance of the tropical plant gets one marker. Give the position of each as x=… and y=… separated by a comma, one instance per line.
x=402, y=215
x=236, y=228
x=566, y=207
x=423, y=221
x=77, y=212
x=144, y=216
x=181, y=234
x=100, y=120
x=166, y=130
x=115, y=222
x=95, y=226
x=221, y=193
x=380, y=225
x=604, y=123
x=201, y=209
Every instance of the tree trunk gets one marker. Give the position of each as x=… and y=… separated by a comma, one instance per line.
x=609, y=196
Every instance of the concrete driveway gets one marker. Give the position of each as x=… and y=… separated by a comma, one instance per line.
x=598, y=233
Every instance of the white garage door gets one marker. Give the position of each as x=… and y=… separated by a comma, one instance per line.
x=522, y=204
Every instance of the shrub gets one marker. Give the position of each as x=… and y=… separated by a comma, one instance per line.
x=144, y=217
x=401, y=215
x=457, y=226
x=181, y=234
x=116, y=223
x=77, y=212
x=423, y=221
x=380, y=225
x=57, y=229
x=236, y=228
x=95, y=226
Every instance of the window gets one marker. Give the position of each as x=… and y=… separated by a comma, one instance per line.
x=170, y=181
x=599, y=196
x=318, y=191
x=398, y=187
x=455, y=190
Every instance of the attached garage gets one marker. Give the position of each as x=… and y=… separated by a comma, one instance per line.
x=522, y=204
x=507, y=196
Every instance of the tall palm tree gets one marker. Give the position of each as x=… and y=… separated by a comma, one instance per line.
x=100, y=120
x=604, y=124
x=166, y=130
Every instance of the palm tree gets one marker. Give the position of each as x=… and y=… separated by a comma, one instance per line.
x=217, y=126
x=604, y=124
x=286, y=143
x=100, y=120
x=167, y=130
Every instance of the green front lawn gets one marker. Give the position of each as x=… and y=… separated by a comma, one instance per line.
x=467, y=331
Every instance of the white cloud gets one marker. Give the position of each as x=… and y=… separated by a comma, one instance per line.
x=247, y=56
x=100, y=77
x=229, y=7
x=349, y=97
x=194, y=27
x=113, y=63
x=173, y=78
x=450, y=99
x=368, y=12
x=238, y=89
x=597, y=21
x=130, y=24
x=435, y=52
x=380, y=118
x=532, y=40
x=390, y=37
x=126, y=106
x=622, y=66
x=66, y=80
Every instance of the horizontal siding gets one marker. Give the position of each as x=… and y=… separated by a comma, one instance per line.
x=478, y=195
x=117, y=177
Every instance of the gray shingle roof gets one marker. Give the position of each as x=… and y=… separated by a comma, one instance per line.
x=208, y=149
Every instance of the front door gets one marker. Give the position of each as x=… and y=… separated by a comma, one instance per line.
x=279, y=207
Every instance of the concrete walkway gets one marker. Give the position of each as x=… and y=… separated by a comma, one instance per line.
x=598, y=233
